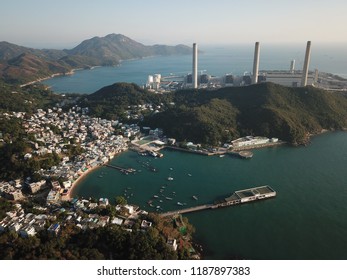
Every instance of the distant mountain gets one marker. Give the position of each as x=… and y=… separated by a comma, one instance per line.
x=104, y=51
x=9, y=51
x=115, y=47
x=27, y=67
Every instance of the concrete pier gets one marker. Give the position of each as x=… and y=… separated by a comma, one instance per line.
x=238, y=197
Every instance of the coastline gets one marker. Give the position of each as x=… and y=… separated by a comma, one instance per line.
x=85, y=173
x=74, y=184
x=71, y=72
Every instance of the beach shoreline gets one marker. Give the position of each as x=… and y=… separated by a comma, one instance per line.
x=69, y=196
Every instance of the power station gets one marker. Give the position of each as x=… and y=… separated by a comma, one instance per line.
x=290, y=77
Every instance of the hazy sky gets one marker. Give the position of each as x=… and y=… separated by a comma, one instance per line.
x=65, y=23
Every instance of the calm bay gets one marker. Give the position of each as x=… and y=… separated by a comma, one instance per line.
x=305, y=221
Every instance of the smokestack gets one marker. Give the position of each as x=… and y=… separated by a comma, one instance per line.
x=292, y=66
x=195, y=66
x=255, y=64
x=306, y=64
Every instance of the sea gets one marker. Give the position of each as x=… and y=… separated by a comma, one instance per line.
x=307, y=218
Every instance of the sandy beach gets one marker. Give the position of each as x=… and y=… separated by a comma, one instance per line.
x=68, y=197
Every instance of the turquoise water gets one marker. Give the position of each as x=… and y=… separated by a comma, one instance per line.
x=217, y=61
x=307, y=219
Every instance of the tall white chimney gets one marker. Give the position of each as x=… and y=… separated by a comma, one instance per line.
x=256, y=63
x=195, y=66
x=292, y=66
x=306, y=64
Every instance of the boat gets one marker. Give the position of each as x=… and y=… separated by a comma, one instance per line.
x=179, y=203
x=195, y=197
x=153, y=154
x=170, y=179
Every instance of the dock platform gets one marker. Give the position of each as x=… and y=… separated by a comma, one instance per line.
x=121, y=169
x=238, y=197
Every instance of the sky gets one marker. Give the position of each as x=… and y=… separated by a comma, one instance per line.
x=65, y=23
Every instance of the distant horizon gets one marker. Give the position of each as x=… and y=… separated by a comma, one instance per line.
x=57, y=46
x=64, y=24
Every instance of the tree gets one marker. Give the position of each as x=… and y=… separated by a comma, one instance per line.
x=120, y=200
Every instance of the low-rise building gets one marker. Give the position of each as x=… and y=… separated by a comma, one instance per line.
x=172, y=243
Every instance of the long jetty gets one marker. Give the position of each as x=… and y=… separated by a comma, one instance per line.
x=238, y=197
x=121, y=169
x=189, y=210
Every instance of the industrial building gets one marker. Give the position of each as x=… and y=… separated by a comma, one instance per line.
x=289, y=78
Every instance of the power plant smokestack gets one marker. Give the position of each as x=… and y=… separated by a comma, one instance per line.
x=256, y=63
x=306, y=64
x=292, y=66
x=195, y=66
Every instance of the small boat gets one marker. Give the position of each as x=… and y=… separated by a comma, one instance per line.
x=221, y=155
x=195, y=197
x=155, y=196
x=171, y=168
x=160, y=201
x=190, y=175
x=170, y=179
x=168, y=198
x=179, y=203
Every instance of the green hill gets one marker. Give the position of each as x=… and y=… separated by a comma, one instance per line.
x=267, y=109
x=20, y=64
x=213, y=117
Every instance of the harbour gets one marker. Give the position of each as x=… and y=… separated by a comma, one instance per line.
x=304, y=221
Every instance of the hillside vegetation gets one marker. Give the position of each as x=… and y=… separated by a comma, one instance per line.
x=264, y=109
x=20, y=64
